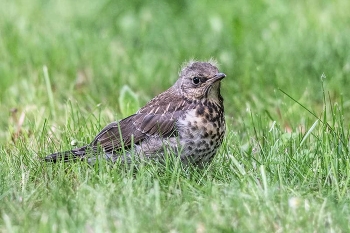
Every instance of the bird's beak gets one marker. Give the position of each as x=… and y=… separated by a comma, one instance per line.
x=218, y=77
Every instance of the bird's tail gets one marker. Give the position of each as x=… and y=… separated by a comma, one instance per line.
x=67, y=156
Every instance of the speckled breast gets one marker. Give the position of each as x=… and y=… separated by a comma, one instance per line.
x=201, y=132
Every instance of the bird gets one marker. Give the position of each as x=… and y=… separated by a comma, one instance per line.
x=186, y=120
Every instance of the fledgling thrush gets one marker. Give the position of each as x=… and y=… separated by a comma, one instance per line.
x=187, y=119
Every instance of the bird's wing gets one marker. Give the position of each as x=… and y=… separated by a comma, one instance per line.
x=137, y=127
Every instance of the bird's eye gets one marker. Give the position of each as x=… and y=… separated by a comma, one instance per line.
x=195, y=80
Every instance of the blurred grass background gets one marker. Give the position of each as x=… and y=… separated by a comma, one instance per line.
x=93, y=50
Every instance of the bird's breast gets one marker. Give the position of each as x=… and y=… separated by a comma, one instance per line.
x=201, y=131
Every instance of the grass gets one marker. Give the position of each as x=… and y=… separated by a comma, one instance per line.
x=69, y=68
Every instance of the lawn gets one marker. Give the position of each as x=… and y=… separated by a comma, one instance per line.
x=67, y=68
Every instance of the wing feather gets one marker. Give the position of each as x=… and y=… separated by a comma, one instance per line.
x=139, y=126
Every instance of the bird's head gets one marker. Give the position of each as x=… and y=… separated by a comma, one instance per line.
x=200, y=81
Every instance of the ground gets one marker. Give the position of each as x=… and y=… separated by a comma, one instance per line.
x=68, y=68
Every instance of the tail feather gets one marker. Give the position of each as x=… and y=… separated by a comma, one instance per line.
x=67, y=156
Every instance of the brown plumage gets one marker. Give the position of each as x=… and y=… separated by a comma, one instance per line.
x=186, y=120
